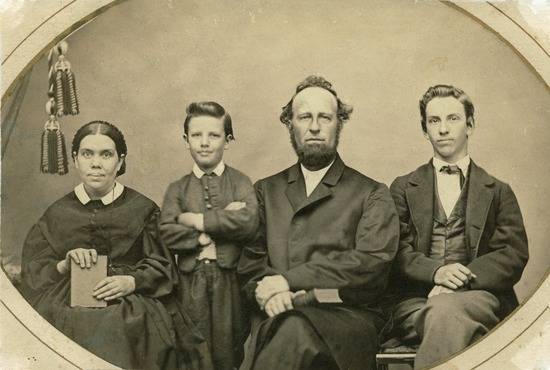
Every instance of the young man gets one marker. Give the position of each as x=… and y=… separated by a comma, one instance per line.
x=322, y=225
x=463, y=244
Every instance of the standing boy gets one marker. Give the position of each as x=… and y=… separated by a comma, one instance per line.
x=463, y=244
x=206, y=216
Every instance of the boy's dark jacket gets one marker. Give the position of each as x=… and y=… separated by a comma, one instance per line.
x=229, y=229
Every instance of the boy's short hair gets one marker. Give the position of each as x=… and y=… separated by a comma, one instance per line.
x=211, y=109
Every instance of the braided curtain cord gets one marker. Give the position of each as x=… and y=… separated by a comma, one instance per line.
x=44, y=159
x=62, y=100
x=59, y=92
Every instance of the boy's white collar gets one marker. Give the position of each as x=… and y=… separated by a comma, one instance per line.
x=200, y=173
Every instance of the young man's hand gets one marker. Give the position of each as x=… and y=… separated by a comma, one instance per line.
x=453, y=276
x=439, y=289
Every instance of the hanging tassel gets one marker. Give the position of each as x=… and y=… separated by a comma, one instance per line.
x=65, y=84
x=73, y=107
x=62, y=101
x=53, y=151
x=62, y=167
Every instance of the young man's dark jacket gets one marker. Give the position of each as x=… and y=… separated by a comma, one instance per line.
x=495, y=235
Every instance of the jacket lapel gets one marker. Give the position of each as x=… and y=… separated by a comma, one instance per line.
x=480, y=197
x=296, y=192
x=296, y=188
x=420, y=197
x=324, y=189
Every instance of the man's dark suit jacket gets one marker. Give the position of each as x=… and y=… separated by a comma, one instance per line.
x=495, y=235
x=344, y=235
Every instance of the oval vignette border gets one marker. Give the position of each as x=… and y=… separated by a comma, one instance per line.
x=72, y=15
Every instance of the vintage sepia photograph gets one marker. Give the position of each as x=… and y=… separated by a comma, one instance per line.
x=275, y=185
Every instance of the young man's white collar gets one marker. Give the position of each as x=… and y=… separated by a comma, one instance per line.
x=463, y=164
x=313, y=178
x=200, y=173
x=107, y=199
x=448, y=186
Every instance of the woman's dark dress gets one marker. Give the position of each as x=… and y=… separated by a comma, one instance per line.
x=135, y=331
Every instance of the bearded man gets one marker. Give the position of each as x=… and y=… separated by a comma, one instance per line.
x=324, y=228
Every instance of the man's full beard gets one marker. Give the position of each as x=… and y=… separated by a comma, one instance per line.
x=314, y=156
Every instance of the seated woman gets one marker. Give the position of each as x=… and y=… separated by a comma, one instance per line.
x=103, y=217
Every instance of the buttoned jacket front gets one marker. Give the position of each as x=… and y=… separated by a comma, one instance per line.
x=343, y=236
x=495, y=234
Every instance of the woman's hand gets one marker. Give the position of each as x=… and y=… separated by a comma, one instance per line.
x=81, y=256
x=113, y=287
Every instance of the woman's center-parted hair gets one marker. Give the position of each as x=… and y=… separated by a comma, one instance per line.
x=102, y=128
x=211, y=109
x=445, y=91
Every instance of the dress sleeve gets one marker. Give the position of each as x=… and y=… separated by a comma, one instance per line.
x=237, y=225
x=38, y=264
x=153, y=274
x=176, y=236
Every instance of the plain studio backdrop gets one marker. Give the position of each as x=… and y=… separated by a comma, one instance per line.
x=141, y=62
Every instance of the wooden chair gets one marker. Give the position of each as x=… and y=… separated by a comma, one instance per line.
x=398, y=355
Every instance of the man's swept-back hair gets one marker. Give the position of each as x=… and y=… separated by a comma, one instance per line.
x=444, y=91
x=343, y=112
x=211, y=109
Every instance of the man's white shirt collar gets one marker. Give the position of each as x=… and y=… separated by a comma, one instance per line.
x=107, y=199
x=200, y=173
x=448, y=185
x=313, y=178
x=463, y=164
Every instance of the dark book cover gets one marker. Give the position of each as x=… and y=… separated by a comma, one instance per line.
x=83, y=281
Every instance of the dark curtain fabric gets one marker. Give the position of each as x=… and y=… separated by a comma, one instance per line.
x=11, y=106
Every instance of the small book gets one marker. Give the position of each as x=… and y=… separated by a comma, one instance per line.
x=315, y=296
x=327, y=295
x=83, y=281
